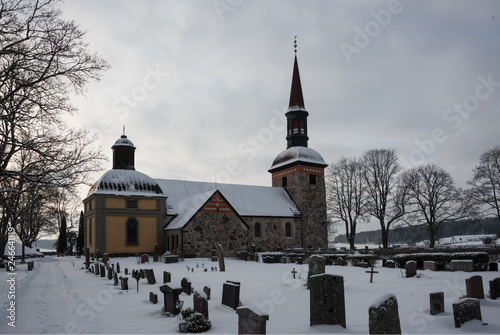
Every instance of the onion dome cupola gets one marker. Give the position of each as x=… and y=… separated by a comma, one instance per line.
x=123, y=154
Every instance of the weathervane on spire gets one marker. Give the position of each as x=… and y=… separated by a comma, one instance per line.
x=295, y=44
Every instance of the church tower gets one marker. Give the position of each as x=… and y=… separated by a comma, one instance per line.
x=123, y=154
x=300, y=170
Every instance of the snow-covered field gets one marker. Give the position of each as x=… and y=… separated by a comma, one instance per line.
x=58, y=296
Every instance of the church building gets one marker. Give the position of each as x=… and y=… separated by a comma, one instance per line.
x=128, y=212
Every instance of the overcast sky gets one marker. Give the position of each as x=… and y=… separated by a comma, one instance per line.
x=202, y=86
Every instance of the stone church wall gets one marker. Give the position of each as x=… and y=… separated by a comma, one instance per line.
x=273, y=233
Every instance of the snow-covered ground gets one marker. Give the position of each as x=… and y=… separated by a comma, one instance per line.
x=59, y=296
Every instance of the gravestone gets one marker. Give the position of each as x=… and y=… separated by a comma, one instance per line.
x=465, y=310
x=327, y=302
x=110, y=273
x=31, y=265
x=156, y=253
x=251, y=321
x=474, y=287
x=362, y=265
x=316, y=266
x=87, y=257
x=390, y=264
x=117, y=267
x=383, y=316
x=186, y=286
x=340, y=261
x=105, y=259
x=411, y=269
x=436, y=302
x=124, y=283
x=150, y=276
x=96, y=268
x=222, y=265
x=167, y=277
x=144, y=258
x=142, y=274
x=200, y=303
x=207, y=291
x=171, y=259
x=466, y=265
x=430, y=265
x=92, y=269
x=102, y=270
x=171, y=302
x=115, y=278
x=493, y=266
x=495, y=288
x=153, y=297
x=231, y=294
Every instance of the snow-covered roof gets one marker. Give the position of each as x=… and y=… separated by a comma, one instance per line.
x=123, y=141
x=185, y=198
x=126, y=182
x=298, y=154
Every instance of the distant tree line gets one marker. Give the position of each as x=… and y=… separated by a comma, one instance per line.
x=43, y=61
x=410, y=234
x=375, y=186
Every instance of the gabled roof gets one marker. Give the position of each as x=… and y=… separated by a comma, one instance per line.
x=185, y=199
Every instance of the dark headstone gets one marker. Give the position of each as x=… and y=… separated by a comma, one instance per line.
x=144, y=258
x=31, y=265
x=92, y=269
x=186, y=286
x=340, y=261
x=124, y=283
x=493, y=266
x=362, y=264
x=105, y=258
x=251, y=321
x=466, y=265
x=126, y=271
x=495, y=288
x=117, y=267
x=171, y=298
x=436, y=302
x=316, y=266
x=383, y=316
x=390, y=264
x=153, y=297
x=87, y=257
x=474, y=287
x=150, y=276
x=214, y=258
x=102, y=270
x=171, y=259
x=96, y=269
x=207, y=291
x=222, y=265
x=411, y=269
x=200, y=303
x=156, y=253
x=466, y=310
x=231, y=294
x=115, y=278
x=327, y=303
x=167, y=277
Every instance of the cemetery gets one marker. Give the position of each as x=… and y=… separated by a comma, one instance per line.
x=316, y=293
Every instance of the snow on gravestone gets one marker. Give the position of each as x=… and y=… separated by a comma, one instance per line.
x=411, y=269
x=316, y=266
x=186, y=285
x=383, y=316
x=465, y=310
x=200, y=303
x=327, y=302
x=251, y=320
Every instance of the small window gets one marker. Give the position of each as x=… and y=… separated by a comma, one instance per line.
x=132, y=232
x=131, y=203
x=284, y=182
x=288, y=229
x=258, y=233
x=312, y=179
x=90, y=205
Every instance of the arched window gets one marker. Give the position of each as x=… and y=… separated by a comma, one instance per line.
x=288, y=229
x=257, y=230
x=132, y=232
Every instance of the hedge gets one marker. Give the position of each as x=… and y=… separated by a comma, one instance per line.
x=443, y=260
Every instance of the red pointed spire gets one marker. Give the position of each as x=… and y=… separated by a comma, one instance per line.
x=296, y=97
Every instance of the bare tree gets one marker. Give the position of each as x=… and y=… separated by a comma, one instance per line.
x=43, y=60
x=386, y=200
x=485, y=184
x=346, y=195
x=433, y=199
